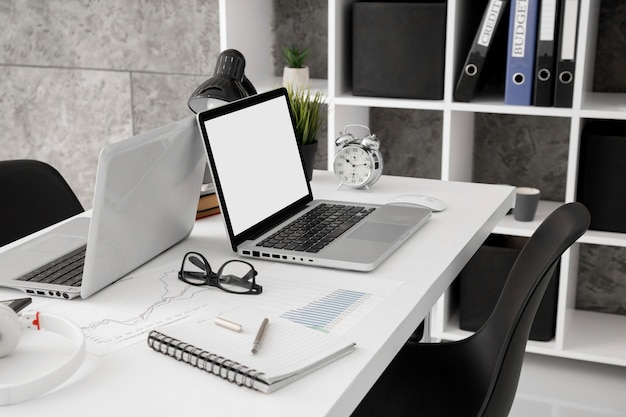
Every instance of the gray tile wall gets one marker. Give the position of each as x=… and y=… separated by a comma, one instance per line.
x=523, y=151
x=76, y=75
x=602, y=279
x=411, y=141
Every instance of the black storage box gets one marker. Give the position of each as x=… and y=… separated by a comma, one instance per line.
x=398, y=49
x=602, y=174
x=483, y=278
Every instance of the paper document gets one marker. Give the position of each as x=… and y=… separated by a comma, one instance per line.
x=123, y=313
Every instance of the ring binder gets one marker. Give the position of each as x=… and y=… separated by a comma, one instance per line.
x=521, y=52
x=477, y=55
x=566, y=62
x=545, y=62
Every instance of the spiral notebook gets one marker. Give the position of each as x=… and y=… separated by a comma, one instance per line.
x=289, y=350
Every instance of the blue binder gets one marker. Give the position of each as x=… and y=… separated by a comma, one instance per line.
x=518, y=89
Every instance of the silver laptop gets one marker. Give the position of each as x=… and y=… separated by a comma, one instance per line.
x=145, y=201
x=261, y=184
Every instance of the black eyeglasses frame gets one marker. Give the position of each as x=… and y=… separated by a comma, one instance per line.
x=212, y=279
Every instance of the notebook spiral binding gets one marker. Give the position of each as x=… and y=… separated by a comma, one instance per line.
x=226, y=369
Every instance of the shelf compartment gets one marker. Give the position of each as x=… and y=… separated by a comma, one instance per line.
x=604, y=106
x=596, y=337
x=451, y=331
x=411, y=140
x=522, y=150
x=589, y=336
x=510, y=226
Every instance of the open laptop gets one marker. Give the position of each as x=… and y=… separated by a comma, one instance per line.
x=145, y=201
x=260, y=180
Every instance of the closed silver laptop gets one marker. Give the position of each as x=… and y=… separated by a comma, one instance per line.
x=145, y=201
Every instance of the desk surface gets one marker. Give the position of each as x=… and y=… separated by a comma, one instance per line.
x=136, y=379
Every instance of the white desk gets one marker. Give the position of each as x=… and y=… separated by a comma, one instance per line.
x=138, y=381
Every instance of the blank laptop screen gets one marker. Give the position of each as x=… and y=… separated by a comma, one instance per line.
x=256, y=156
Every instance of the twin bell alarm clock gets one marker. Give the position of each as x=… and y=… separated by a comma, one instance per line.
x=358, y=162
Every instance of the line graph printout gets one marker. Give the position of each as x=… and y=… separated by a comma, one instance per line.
x=145, y=312
x=124, y=312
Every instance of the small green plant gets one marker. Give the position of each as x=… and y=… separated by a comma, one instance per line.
x=308, y=112
x=295, y=57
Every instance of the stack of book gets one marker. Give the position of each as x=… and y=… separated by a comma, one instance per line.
x=208, y=204
x=541, y=51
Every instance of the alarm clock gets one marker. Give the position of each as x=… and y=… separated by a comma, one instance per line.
x=358, y=162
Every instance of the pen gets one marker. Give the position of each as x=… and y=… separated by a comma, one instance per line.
x=259, y=336
x=228, y=324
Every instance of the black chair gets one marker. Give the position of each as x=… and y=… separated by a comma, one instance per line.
x=33, y=195
x=478, y=376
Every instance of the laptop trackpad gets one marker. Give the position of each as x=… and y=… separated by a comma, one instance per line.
x=54, y=243
x=378, y=232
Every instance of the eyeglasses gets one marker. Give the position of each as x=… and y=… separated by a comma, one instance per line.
x=234, y=276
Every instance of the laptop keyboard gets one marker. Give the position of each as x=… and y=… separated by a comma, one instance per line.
x=317, y=228
x=66, y=270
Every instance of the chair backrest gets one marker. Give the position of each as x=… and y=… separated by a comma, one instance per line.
x=501, y=342
x=33, y=195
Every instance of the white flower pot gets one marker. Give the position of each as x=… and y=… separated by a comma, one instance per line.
x=297, y=78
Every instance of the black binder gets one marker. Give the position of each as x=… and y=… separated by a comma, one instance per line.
x=545, y=62
x=566, y=58
x=477, y=56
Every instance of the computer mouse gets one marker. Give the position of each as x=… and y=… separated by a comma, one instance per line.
x=421, y=200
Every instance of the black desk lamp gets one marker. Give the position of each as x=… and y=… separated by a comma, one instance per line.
x=227, y=84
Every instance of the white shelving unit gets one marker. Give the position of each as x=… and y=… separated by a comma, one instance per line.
x=246, y=25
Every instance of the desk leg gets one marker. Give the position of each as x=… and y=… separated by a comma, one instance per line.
x=426, y=336
x=422, y=333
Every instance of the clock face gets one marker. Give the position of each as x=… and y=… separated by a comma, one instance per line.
x=353, y=166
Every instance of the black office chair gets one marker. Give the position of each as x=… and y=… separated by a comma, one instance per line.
x=478, y=376
x=33, y=195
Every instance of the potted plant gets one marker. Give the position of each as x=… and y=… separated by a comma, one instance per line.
x=309, y=114
x=295, y=73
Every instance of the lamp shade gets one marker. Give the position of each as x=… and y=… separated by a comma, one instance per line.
x=227, y=84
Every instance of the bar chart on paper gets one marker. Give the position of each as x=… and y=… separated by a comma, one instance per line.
x=329, y=310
